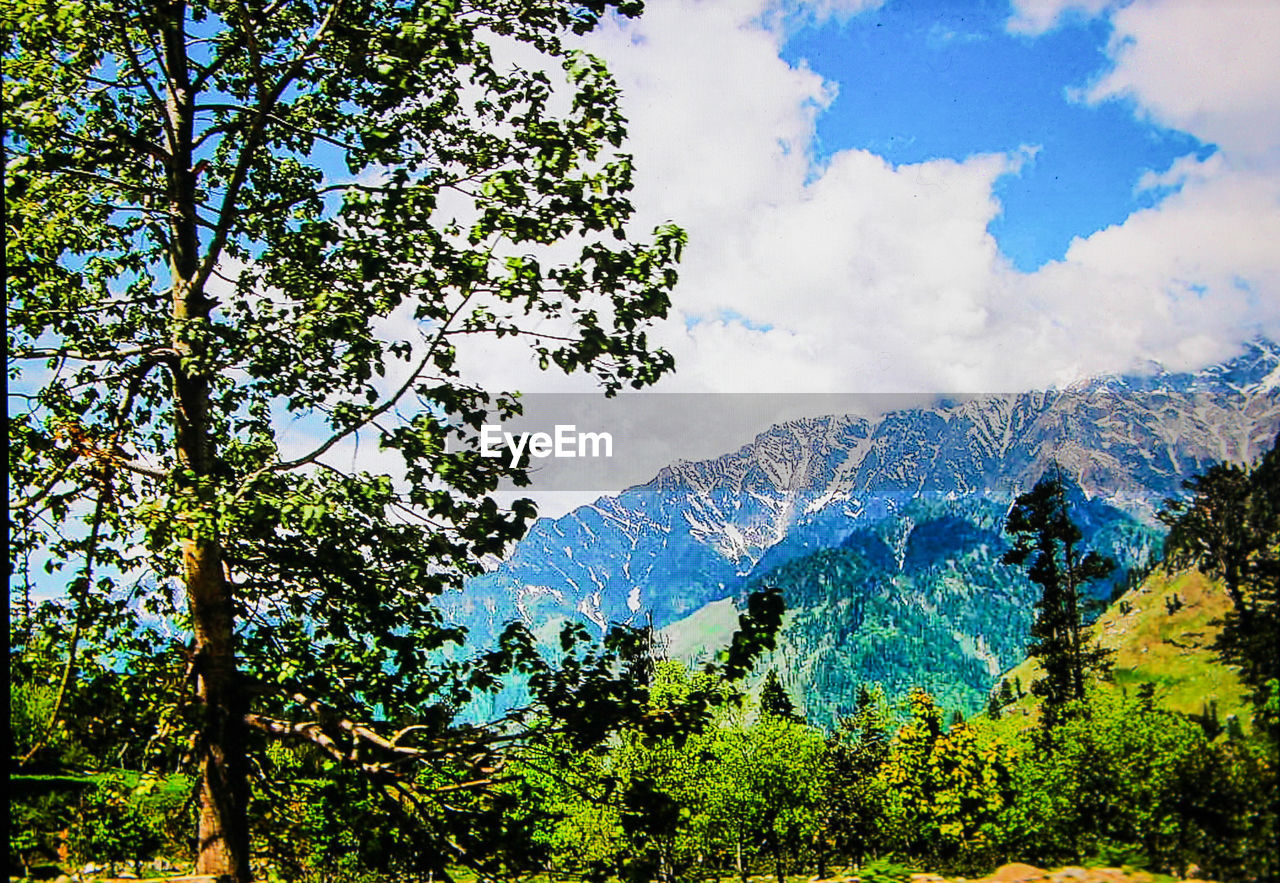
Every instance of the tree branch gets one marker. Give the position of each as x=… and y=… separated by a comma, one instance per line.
x=381, y=409
x=91, y=552
x=141, y=73
x=253, y=138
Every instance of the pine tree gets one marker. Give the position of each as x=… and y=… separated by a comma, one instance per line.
x=774, y=700
x=1006, y=694
x=1048, y=542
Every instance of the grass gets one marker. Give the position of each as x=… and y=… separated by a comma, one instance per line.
x=710, y=626
x=1162, y=633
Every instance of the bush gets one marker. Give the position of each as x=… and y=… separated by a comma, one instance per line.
x=885, y=871
x=130, y=818
x=1123, y=782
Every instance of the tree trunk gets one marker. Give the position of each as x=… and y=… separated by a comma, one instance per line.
x=223, y=844
x=223, y=832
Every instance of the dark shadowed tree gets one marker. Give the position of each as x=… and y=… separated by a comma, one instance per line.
x=1229, y=528
x=852, y=809
x=245, y=242
x=1006, y=694
x=1047, y=541
x=774, y=699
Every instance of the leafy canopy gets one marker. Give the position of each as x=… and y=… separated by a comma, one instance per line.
x=1229, y=527
x=248, y=243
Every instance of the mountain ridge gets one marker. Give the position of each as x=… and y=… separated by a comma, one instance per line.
x=700, y=530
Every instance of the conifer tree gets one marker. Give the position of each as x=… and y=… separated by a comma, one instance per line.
x=1006, y=694
x=1047, y=541
x=774, y=699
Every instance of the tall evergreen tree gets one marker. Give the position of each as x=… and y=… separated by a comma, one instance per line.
x=856, y=752
x=1047, y=541
x=1006, y=694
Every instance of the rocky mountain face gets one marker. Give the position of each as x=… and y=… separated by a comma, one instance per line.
x=702, y=531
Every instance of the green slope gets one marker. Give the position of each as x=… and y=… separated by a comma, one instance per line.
x=1162, y=633
x=694, y=638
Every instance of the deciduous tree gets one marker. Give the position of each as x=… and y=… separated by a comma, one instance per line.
x=246, y=240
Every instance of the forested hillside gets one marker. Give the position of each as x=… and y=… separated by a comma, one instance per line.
x=917, y=599
x=1165, y=761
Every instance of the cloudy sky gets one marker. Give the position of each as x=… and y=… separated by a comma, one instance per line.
x=929, y=197
x=956, y=195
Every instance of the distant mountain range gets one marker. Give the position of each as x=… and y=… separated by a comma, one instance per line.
x=920, y=598
x=898, y=516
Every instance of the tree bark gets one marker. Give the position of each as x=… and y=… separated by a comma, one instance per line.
x=223, y=844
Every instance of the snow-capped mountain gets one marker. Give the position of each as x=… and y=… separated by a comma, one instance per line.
x=698, y=530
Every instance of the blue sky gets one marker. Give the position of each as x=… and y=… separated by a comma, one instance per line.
x=920, y=80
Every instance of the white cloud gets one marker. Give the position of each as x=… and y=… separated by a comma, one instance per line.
x=1207, y=68
x=861, y=276
x=1210, y=69
x=795, y=278
x=1185, y=169
x=1184, y=281
x=709, y=99
x=1034, y=17
x=819, y=11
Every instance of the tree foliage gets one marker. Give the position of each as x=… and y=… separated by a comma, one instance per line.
x=1229, y=527
x=853, y=823
x=1126, y=782
x=774, y=699
x=946, y=790
x=247, y=243
x=1048, y=542
x=742, y=794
